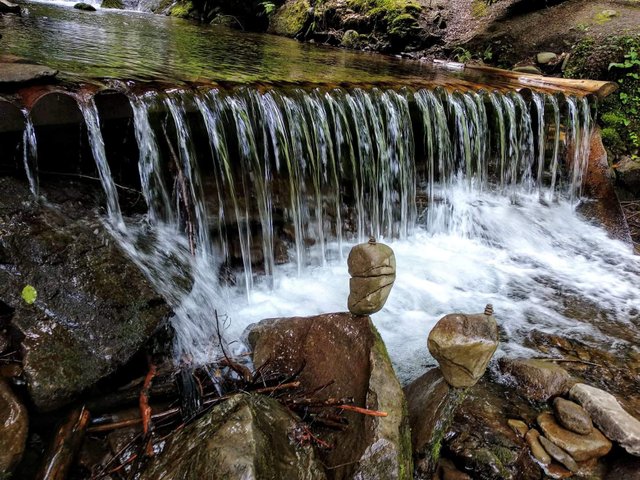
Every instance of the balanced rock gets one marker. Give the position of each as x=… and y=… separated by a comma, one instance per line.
x=13, y=429
x=580, y=447
x=463, y=345
x=558, y=454
x=536, y=380
x=572, y=416
x=372, y=267
x=605, y=410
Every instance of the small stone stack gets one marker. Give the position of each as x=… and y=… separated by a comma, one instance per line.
x=569, y=437
x=463, y=346
x=372, y=267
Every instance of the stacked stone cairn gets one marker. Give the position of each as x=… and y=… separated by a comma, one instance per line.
x=567, y=434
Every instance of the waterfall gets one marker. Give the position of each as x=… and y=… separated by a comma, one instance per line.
x=30, y=154
x=256, y=191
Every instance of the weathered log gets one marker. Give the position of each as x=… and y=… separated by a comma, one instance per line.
x=65, y=445
x=567, y=85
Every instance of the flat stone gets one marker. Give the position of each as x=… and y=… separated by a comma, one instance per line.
x=543, y=58
x=14, y=427
x=536, y=380
x=518, y=426
x=572, y=416
x=558, y=454
x=530, y=69
x=580, y=447
x=24, y=72
x=463, y=346
x=247, y=436
x=605, y=410
x=537, y=450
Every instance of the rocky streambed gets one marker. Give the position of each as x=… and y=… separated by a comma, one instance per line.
x=89, y=387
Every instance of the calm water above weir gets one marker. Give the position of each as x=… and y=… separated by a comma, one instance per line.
x=138, y=46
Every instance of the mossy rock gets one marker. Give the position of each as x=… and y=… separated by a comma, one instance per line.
x=181, y=10
x=85, y=7
x=291, y=19
x=115, y=4
x=403, y=28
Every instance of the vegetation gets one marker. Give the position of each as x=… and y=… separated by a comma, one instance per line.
x=616, y=59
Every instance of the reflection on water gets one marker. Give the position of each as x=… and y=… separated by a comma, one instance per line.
x=131, y=45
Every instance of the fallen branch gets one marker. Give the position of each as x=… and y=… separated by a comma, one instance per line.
x=65, y=446
x=363, y=411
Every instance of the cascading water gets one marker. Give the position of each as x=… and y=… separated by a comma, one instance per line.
x=30, y=154
x=469, y=188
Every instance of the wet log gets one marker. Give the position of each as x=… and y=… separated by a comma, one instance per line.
x=65, y=446
x=568, y=85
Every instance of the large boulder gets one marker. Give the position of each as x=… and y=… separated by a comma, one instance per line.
x=536, y=380
x=463, y=346
x=345, y=354
x=580, y=447
x=248, y=437
x=93, y=308
x=372, y=267
x=432, y=403
x=605, y=410
x=14, y=426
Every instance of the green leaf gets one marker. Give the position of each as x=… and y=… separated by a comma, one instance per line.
x=29, y=294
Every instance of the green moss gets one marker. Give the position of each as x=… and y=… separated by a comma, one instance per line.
x=385, y=10
x=479, y=8
x=290, y=19
x=117, y=4
x=616, y=59
x=181, y=9
x=403, y=27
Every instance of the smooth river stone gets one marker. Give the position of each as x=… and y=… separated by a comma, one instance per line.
x=580, y=447
x=537, y=450
x=605, y=410
x=14, y=426
x=572, y=416
x=463, y=346
x=558, y=454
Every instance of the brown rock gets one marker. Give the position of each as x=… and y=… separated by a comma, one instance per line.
x=14, y=426
x=572, y=416
x=342, y=355
x=463, y=346
x=480, y=441
x=558, y=454
x=580, y=447
x=518, y=426
x=608, y=414
x=372, y=267
x=537, y=450
x=536, y=380
x=448, y=471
